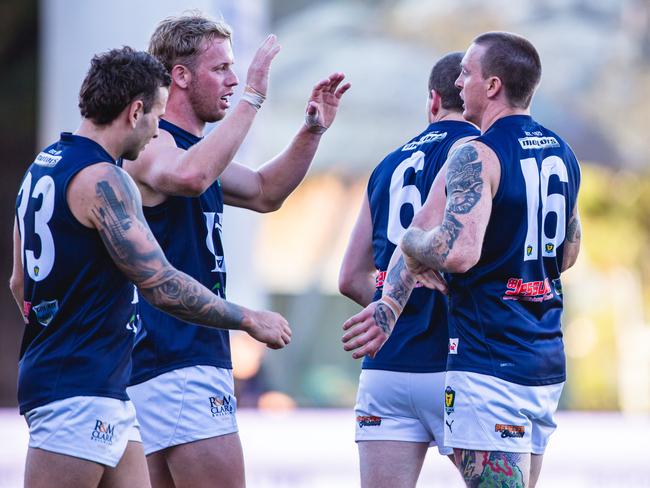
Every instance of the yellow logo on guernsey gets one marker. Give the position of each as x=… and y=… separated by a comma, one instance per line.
x=529, y=250
x=36, y=270
x=550, y=247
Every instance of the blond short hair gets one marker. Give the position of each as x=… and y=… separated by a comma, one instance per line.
x=179, y=40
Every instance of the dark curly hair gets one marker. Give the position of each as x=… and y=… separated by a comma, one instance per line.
x=115, y=79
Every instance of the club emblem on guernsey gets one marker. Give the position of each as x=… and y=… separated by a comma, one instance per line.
x=45, y=311
x=529, y=250
x=221, y=405
x=549, y=247
x=368, y=421
x=103, y=432
x=450, y=398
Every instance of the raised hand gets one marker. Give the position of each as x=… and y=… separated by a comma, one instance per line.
x=324, y=102
x=368, y=330
x=268, y=327
x=258, y=71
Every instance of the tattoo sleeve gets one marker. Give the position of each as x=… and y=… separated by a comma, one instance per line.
x=123, y=229
x=464, y=182
x=574, y=230
x=399, y=283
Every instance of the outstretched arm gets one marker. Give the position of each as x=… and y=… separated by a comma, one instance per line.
x=104, y=197
x=164, y=169
x=357, y=274
x=266, y=189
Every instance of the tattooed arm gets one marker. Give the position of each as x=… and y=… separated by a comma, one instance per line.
x=455, y=245
x=572, y=240
x=104, y=197
x=357, y=274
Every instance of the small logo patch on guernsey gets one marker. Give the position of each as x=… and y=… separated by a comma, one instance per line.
x=221, y=405
x=103, y=432
x=45, y=311
x=450, y=399
x=510, y=430
x=453, y=345
x=368, y=421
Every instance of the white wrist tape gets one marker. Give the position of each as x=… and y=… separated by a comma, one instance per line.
x=253, y=97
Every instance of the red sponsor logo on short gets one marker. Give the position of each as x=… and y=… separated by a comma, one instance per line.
x=368, y=420
x=531, y=291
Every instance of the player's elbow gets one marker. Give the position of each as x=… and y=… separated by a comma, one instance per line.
x=347, y=284
x=191, y=183
x=461, y=262
x=16, y=286
x=267, y=205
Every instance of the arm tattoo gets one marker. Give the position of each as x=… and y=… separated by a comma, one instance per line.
x=573, y=231
x=130, y=243
x=464, y=181
x=381, y=317
x=399, y=283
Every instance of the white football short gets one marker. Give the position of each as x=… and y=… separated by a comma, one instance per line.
x=396, y=406
x=485, y=413
x=185, y=405
x=93, y=428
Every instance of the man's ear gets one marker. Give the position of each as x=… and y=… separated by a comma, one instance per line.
x=181, y=76
x=135, y=111
x=494, y=86
x=436, y=102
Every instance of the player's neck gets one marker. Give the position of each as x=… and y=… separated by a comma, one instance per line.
x=180, y=113
x=105, y=135
x=496, y=112
x=447, y=115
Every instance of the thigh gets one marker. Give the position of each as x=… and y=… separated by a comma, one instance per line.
x=535, y=468
x=44, y=469
x=159, y=473
x=131, y=471
x=493, y=468
x=391, y=464
x=215, y=462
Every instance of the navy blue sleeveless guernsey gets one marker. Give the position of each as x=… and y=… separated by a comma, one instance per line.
x=189, y=232
x=79, y=306
x=505, y=312
x=398, y=187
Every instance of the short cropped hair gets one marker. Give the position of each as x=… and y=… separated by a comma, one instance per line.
x=115, y=79
x=442, y=79
x=515, y=61
x=179, y=40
